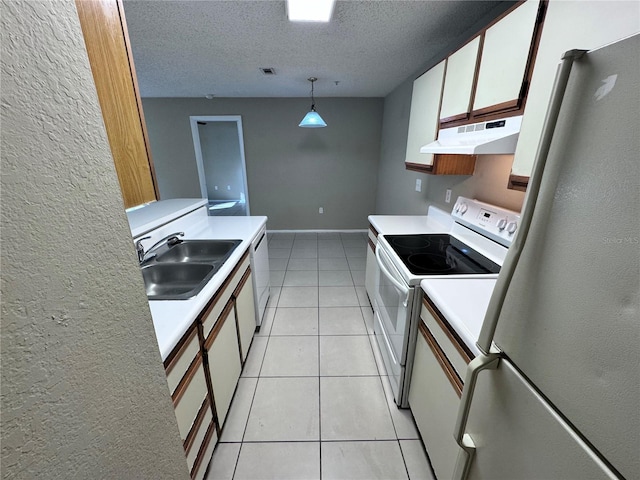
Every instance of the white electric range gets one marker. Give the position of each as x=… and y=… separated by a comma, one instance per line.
x=470, y=245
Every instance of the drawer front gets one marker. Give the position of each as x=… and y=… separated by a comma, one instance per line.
x=189, y=396
x=223, y=295
x=198, y=432
x=434, y=403
x=180, y=361
x=453, y=350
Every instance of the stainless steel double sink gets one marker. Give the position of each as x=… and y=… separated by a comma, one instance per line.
x=180, y=271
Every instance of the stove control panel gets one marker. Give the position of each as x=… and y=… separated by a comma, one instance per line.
x=491, y=221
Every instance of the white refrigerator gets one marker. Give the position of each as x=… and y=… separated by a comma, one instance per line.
x=557, y=393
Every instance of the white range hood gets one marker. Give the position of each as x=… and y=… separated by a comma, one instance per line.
x=486, y=138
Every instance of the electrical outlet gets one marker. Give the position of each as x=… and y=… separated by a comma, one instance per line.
x=447, y=196
x=321, y=210
x=418, y=185
x=215, y=187
x=228, y=187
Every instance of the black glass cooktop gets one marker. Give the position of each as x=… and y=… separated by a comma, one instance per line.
x=439, y=254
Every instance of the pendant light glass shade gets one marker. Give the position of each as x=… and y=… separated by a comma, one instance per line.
x=312, y=119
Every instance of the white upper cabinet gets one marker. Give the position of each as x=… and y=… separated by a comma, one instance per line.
x=458, y=84
x=568, y=25
x=504, y=58
x=424, y=119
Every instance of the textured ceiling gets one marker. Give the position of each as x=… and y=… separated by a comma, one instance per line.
x=193, y=48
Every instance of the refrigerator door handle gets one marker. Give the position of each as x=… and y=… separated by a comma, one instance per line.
x=481, y=362
x=508, y=268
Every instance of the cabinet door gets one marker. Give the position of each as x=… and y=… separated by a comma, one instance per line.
x=434, y=404
x=425, y=110
x=459, y=82
x=224, y=360
x=245, y=312
x=107, y=43
x=567, y=25
x=504, y=59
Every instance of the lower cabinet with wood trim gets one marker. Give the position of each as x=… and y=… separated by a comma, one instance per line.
x=436, y=387
x=223, y=355
x=204, y=367
x=188, y=384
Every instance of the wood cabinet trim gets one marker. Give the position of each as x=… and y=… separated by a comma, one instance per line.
x=453, y=336
x=220, y=292
x=448, y=370
x=500, y=108
x=174, y=355
x=373, y=230
x=241, y=283
x=518, y=182
x=371, y=246
x=202, y=412
x=186, y=380
x=220, y=321
x=203, y=448
x=449, y=164
x=417, y=167
x=454, y=164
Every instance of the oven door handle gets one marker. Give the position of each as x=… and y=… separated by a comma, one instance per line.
x=392, y=279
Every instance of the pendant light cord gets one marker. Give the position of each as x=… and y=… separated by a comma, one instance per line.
x=313, y=100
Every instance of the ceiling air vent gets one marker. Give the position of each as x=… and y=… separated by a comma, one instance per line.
x=268, y=70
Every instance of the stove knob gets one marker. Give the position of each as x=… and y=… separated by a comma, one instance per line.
x=463, y=208
x=502, y=223
x=511, y=228
x=456, y=208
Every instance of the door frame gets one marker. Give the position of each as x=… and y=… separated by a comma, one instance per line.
x=193, y=120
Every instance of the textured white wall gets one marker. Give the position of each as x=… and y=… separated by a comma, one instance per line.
x=83, y=388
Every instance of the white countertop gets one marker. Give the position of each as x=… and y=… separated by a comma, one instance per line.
x=436, y=222
x=155, y=214
x=172, y=318
x=463, y=302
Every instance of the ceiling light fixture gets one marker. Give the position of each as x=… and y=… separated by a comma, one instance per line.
x=310, y=10
x=312, y=119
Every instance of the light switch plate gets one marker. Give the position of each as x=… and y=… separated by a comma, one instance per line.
x=418, y=185
x=447, y=196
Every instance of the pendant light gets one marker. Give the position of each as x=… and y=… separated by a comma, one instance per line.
x=312, y=119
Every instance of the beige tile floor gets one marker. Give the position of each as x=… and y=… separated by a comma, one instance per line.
x=314, y=400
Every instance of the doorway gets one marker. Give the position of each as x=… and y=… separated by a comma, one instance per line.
x=219, y=149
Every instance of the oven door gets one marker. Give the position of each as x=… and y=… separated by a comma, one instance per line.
x=393, y=302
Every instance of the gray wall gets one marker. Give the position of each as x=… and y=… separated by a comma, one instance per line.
x=291, y=171
x=396, y=186
x=83, y=388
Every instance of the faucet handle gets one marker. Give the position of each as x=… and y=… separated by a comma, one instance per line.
x=140, y=248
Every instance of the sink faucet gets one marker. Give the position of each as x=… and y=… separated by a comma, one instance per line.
x=150, y=253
